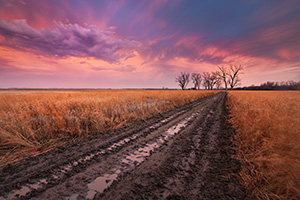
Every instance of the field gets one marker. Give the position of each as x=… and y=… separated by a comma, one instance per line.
x=33, y=122
x=268, y=137
x=184, y=153
x=163, y=144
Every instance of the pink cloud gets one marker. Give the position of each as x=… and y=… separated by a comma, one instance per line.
x=123, y=68
x=67, y=40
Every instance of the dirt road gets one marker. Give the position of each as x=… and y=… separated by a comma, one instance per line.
x=182, y=154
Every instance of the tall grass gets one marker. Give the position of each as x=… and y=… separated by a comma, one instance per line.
x=32, y=122
x=268, y=141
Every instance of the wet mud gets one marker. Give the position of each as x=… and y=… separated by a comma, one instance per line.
x=186, y=153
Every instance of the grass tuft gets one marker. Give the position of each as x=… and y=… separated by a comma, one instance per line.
x=32, y=122
x=268, y=137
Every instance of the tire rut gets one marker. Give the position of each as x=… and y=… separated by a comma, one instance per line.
x=171, y=148
x=196, y=164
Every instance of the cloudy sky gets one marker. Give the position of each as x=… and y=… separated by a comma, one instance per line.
x=142, y=43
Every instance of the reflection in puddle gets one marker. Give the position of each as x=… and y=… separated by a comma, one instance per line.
x=73, y=197
x=101, y=183
x=17, y=193
x=38, y=184
x=60, y=173
x=164, y=121
x=26, y=189
x=133, y=159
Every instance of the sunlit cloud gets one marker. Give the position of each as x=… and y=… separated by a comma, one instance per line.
x=131, y=43
x=66, y=40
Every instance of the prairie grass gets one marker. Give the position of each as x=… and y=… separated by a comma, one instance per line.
x=268, y=141
x=33, y=122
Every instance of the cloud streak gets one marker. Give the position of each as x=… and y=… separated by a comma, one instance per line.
x=141, y=39
x=67, y=40
x=126, y=68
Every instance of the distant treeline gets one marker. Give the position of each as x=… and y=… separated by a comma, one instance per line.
x=288, y=85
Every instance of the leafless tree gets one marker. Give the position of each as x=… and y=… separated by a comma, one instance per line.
x=183, y=80
x=234, y=72
x=218, y=84
x=206, y=80
x=210, y=79
x=223, y=75
x=215, y=78
x=196, y=78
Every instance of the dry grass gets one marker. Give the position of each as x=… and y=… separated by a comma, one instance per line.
x=268, y=141
x=33, y=122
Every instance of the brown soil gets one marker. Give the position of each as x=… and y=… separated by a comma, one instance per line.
x=186, y=153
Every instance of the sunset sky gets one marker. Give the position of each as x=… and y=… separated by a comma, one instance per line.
x=143, y=43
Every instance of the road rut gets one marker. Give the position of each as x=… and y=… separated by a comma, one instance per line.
x=181, y=154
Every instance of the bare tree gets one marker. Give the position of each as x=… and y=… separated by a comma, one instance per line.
x=210, y=79
x=183, y=80
x=234, y=72
x=214, y=78
x=206, y=80
x=196, y=78
x=218, y=84
x=223, y=75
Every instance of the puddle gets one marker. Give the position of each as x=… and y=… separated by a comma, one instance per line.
x=100, y=184
x=62, y=171
x=26, y=189
x=18, y=193
x=164, y=121
x=73, y=197
x=133, y=159
x=38, y=185
x=128, y=162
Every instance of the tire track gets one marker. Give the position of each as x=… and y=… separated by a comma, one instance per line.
x=196, y=164
x=131, y=145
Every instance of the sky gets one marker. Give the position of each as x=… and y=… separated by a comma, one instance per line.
x=145, y=44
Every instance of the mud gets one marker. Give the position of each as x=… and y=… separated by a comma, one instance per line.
x=182, y=154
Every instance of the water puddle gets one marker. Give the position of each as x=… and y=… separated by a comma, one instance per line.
x=60, y=173
x=128, y=162
x=18, y=193
x=133, y=159
x=164, y=121
x=73, y=197
x=26, y=189
x=100, y=184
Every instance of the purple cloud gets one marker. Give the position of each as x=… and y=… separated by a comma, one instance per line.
x=9, y=3
x=8, y=67
x=67, y=40
x=5, y=66
x=125, y=68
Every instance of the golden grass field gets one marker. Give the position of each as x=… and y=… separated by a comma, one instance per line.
x=268, y=141
x=33, y=122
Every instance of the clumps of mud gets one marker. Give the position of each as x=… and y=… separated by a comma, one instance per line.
x=187, y=154
x=197, y=164
x=132, y=160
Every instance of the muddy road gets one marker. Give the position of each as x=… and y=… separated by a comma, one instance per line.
x=185, y=153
